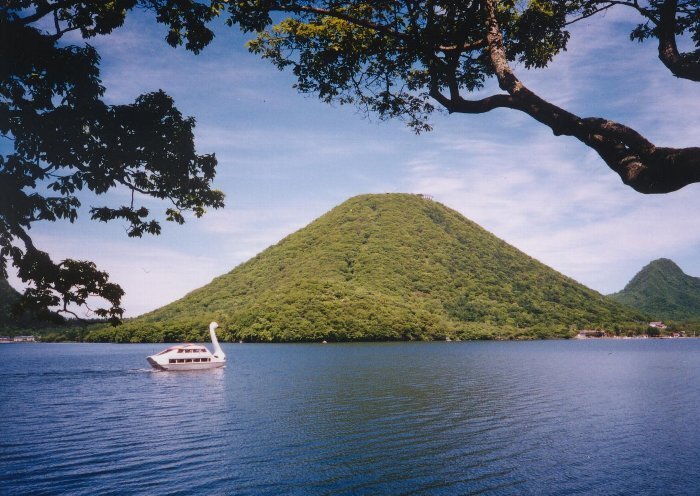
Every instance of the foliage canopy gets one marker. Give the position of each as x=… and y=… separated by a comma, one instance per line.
x=9, y=321
x=58, y=137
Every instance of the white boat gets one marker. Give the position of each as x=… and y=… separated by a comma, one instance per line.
x=190, y=356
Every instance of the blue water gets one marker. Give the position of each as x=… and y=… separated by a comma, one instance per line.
x=549, y=417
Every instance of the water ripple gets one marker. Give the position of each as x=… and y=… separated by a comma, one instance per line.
x=435, y=418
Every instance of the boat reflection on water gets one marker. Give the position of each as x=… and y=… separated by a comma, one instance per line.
x=190, y=356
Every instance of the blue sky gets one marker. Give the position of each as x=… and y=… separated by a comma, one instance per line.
x=286, y=158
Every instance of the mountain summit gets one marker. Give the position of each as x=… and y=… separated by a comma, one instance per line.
x=385, y=267
x=664, y=291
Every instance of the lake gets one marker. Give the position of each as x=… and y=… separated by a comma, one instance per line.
x=546, y=417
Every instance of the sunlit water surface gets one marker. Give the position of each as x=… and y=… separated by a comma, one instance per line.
x=550, y=417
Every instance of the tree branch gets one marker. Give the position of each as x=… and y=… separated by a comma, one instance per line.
x=463, y=106
x=638, y=162
x=65, y=310
x=668, y=50
x=43, y=11
x=589, y=14
x=298, y=9
x=20, y=233
x=465, y=47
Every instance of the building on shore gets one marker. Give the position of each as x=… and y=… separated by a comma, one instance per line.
x=591, y=333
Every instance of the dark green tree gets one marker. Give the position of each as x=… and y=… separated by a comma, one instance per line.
x=58, y=138
x=406, y=58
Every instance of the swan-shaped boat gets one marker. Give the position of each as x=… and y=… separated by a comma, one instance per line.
x=190, y=356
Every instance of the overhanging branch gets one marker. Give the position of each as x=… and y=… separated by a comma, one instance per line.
x=638, y=162
x=463, y=106
x=668, y=50
x=380, y=28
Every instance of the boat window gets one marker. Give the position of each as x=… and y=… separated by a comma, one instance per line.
x=172, y=360
x=179, y=351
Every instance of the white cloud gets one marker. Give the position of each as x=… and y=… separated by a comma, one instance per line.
x=305, y=145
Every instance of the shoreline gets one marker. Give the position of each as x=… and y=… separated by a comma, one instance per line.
x=575, y=338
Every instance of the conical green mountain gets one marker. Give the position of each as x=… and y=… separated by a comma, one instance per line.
x=664, y=291
x=384, y=267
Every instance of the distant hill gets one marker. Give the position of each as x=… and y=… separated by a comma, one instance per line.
x=8, y=297
x=10, y=322
x=383, y=267
x=664, y=291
